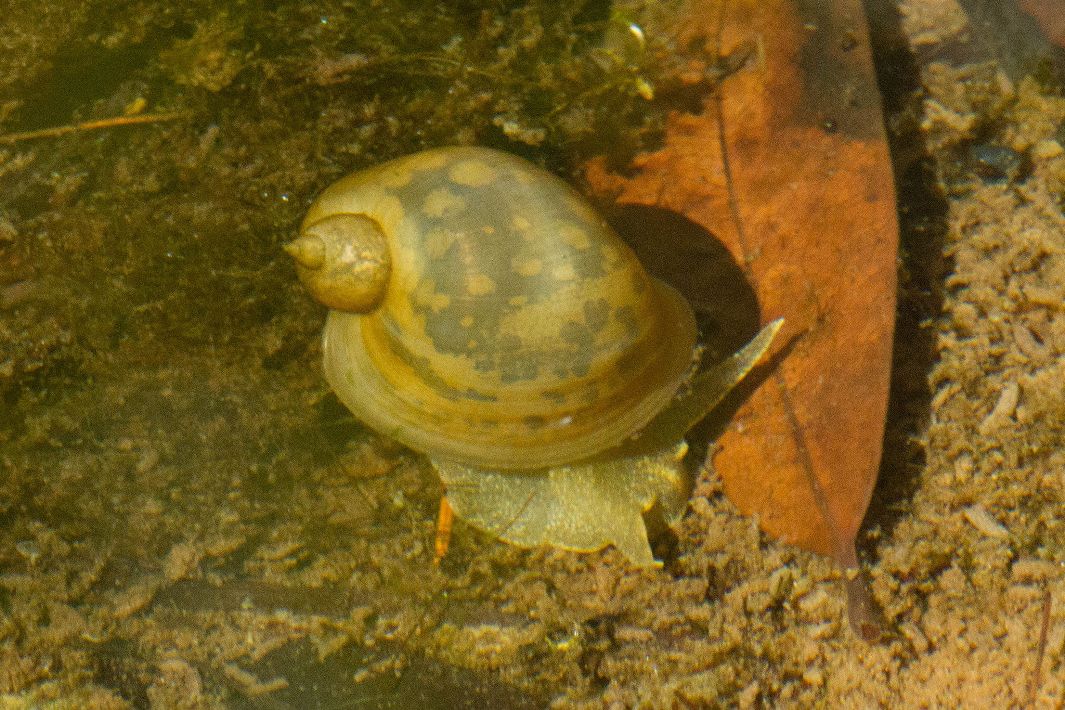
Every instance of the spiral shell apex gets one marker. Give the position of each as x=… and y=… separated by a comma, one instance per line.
x=344, y=261
x=484, y=314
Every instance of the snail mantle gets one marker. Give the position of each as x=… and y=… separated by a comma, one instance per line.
x=484, y=315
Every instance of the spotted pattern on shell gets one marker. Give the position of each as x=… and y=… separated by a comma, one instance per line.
x=514, y=320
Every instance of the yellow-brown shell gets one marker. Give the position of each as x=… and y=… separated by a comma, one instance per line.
x=515, y=331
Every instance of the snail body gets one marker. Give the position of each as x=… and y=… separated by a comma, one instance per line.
x=483, y=314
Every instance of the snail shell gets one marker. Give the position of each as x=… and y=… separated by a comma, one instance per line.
x=484, y=314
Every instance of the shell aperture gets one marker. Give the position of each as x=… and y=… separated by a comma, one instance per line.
x=588, y=505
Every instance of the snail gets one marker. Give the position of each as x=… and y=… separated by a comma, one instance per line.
x=484, y=315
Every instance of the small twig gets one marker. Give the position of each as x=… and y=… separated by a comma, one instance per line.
x=1044, y=632
x=90, y=126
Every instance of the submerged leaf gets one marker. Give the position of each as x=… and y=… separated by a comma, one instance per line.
x=789, y=168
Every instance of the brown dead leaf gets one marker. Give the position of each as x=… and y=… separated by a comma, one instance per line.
x=1050, y=14
x=789, y=167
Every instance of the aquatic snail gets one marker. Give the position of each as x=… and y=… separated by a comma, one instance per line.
x=483, y=314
